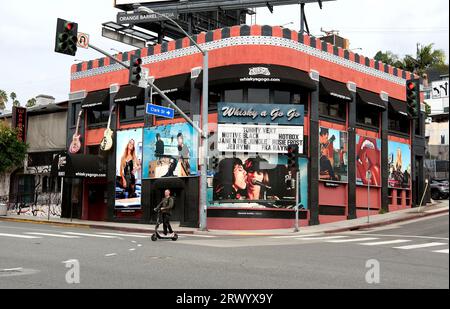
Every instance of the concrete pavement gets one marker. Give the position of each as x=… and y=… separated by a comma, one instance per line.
x=438, y=207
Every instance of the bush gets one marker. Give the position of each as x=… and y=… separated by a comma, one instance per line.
x=12, y=151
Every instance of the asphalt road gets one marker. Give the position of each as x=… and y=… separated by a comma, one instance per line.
x=409, y=255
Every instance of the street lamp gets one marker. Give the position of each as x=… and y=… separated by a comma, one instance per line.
x=204, y=116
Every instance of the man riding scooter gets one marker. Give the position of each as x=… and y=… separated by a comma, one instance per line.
x=164, y=210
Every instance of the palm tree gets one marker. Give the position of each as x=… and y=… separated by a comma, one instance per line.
x=3, y=99
x=425, y=59
x=31, y=102
x=13, y=97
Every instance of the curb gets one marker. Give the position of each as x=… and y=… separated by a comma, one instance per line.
x=140, y=230
x=88, y=226
x=388, y=222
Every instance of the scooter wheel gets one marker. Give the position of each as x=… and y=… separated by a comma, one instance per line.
x=154, y=237
x=175, y=238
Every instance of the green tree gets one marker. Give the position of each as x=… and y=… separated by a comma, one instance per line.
x=31, y=102
x=390, y=58
x=12, y=151
x=13, y=97
x=425, y=59
x=3, y=99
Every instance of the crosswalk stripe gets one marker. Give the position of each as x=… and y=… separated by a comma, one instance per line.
x=389, y=242
x=351, y=240
x=294, y=236
x=125, y=235
x=89, y=235
x=52, y=235
x=200, y=236
x=426, y=245
x=441, y=251
x=19, y=236
x=321, y=238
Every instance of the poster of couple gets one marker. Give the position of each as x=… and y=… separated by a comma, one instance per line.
x=259, y=181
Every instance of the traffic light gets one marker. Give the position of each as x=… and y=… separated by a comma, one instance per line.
x=66, y=37
x=135, y=70
x=293, y=154
x=413, y=97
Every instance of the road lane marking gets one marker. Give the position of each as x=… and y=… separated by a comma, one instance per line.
x=441, y=251
x=139, y=245
x=125, y=235
x=12, y=269
x=430, y=244
x=52, y=235
x=19, y=236
x=110, y=254
x=404, y=236
x=294, y=236
x=200, y=236
x=132, y=249
x=322, y=238
x=388, y=242
x=89, y=235
x=338, y=241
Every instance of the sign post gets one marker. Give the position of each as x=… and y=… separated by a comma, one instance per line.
x=297, y=200
x=369, y=179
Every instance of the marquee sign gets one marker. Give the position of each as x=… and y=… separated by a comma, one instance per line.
x=285, y=114
x=258, y=138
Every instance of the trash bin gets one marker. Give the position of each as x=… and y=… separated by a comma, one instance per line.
x=3, y=209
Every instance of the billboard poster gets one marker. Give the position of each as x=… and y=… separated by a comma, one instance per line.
x=258, y=181
x=258, y=138
x=399, y=158
x=170, y=151
x=333, y=163
x=368, y=158
x=128, y=169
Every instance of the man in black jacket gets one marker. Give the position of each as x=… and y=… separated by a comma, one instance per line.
x=166, y=207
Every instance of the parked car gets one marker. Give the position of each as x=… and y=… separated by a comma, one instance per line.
x=439, y=189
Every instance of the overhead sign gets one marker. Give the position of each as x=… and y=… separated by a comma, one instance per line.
x=160, y=111
x=289, y=114
x=440, y=89
x=83, y=40
x=258, y=138
x=136, y=18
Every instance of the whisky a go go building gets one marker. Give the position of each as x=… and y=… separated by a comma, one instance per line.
x=269, y=87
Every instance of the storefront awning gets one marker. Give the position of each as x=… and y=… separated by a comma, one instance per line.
x=78, y=165
x=258, y=74
x=370, y=98
x=96, y=99
x=398, y=106
x=128, y=94
x=335, y=89
x=174, y=84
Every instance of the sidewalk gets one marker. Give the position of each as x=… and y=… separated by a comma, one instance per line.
x=438, y=207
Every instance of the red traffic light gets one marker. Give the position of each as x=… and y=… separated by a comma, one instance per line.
x=69, y=26
x=411, y=86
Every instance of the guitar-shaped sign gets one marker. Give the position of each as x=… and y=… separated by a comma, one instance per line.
x=107, y=141
x=75, y=146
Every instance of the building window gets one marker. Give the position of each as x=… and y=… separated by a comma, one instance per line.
x=234, y=96
x=98, y=116
x=333, y=110
x=76, y=108
x=131, y=111
x=181, y=101
x=367, y=115
x=281, y=97
x=442, y=139
x=398, y=123
x=256, y=95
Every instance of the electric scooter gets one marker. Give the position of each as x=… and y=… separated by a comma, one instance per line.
x=157, y=235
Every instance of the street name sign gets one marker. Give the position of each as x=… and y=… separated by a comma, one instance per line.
x=160, y=111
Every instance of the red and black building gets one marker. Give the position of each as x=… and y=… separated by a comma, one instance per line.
x=351, y=102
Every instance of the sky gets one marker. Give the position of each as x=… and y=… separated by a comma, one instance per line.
x=30, y=66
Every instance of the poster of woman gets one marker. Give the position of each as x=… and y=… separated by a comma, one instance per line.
x=128, y=169
x=399, y=156
x=368, y=158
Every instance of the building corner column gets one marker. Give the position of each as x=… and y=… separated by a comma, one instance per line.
x=351, y=156
x=314, y=152
x=384, y=160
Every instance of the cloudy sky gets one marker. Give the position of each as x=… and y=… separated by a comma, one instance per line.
x=30, y=67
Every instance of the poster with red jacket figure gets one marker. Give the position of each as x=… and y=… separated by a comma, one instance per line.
x=368, y=158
